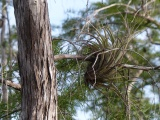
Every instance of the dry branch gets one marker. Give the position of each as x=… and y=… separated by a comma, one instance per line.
x=68, y=56
x=11, y=84
x=80, y=57
x=113, y=5
x=140, y=67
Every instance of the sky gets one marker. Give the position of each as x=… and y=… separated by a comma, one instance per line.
x=58, y=8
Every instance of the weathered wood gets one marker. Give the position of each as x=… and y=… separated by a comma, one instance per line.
x=35, y=58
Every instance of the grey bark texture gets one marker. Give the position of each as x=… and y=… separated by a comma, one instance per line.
x=35, y=58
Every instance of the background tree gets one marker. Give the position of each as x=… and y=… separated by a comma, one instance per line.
x=10, y=98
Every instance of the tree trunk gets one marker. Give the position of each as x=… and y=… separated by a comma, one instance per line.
x=35, y=59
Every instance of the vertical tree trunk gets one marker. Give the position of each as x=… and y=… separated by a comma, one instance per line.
x=36, y=65
x=3, y=52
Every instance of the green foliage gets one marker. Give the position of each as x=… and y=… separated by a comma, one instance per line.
x=11, y=109
x=114, y=27
x=12, y=105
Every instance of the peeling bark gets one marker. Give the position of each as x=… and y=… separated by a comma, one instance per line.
x=35, y=58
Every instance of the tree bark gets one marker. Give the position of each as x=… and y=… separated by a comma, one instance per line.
x=35, y=59
x=3, y=52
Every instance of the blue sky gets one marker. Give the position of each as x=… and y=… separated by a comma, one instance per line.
x=58, y=8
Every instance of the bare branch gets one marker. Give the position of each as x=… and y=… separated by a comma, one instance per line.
x=113, y=5
x=147, y=18
x=11, y=84
x=68, y=56
x=140, y=67
x=81, y=57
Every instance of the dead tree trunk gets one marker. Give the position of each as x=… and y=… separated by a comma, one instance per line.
x=35, y=58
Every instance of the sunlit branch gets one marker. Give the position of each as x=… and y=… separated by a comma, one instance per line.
x=80, y=57
x=11, y=84
x=112, y=5
x=140, y=67
x=68, y=56
x=147, y=18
